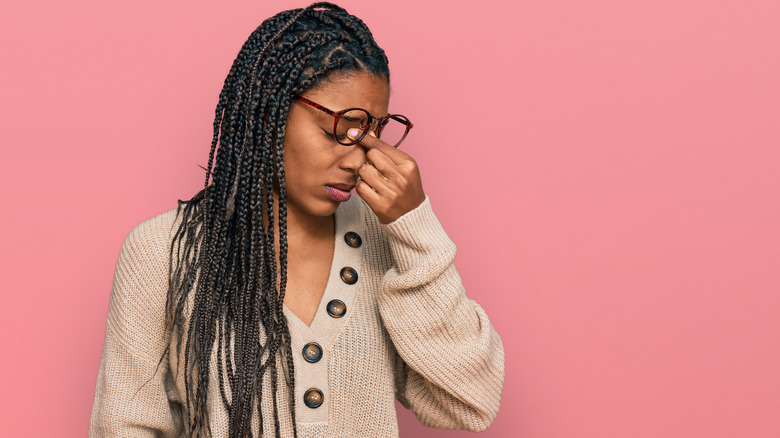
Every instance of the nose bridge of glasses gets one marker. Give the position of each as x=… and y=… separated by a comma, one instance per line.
x=375, y=123
x=370, y=123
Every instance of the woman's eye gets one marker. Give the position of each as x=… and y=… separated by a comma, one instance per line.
x=330, y=135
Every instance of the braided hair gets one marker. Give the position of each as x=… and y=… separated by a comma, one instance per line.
x=222, y=290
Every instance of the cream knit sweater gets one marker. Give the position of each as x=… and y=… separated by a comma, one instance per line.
x=409, y=333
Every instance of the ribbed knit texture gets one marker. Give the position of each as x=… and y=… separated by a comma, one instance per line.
x=410, y=333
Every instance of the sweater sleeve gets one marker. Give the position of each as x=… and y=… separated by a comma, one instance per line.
x=135, y=392
x=451, y=367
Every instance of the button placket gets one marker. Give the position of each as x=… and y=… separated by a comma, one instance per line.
x=316, y=340
x=311, y=368
x=337, y=308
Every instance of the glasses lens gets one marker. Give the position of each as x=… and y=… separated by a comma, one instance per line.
x=355, y=118
x=393, y=130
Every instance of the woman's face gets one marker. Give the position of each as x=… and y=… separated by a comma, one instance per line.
x=319, y=171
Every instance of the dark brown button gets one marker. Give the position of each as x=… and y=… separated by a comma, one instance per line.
x=312, y=352
x=353, y=239
x=349, y=275
x=336, y=308
x=313, y=398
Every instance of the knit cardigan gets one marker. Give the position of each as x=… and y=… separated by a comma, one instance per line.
x=409, y=333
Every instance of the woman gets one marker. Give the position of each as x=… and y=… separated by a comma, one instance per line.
x=273, y=302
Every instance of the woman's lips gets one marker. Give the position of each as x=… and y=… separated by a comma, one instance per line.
x=339, y=192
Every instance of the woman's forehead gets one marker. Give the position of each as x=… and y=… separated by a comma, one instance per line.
x=353, y=90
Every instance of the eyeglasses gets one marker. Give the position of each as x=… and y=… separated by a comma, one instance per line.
x=392, y=128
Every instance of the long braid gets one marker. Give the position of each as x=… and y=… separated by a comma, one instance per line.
x=223, y=273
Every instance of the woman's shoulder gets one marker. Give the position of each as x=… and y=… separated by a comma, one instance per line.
x=150, y=240
x=156, y=229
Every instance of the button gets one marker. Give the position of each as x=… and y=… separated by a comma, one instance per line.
x=336, y=308
x=313, y=398
x=312, y=352
x=353, y=239
x=349, y=275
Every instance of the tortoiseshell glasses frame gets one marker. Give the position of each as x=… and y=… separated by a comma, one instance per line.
x=371, y=123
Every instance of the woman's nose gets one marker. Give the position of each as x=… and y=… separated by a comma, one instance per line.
x=354, y=158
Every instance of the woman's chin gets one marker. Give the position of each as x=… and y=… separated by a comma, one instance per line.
x=321, y=208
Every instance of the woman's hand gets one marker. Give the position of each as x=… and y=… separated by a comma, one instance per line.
x=390, y=181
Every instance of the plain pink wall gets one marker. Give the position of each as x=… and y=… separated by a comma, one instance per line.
x=608, y=170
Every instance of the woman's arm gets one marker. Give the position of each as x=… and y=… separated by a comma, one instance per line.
x=130, y=395
x=451, y=372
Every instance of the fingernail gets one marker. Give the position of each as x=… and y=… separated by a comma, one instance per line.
x=353, y=132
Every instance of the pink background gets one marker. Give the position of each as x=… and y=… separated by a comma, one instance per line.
x=608, y=170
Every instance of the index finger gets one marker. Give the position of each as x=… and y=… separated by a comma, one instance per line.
x=371, y=142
